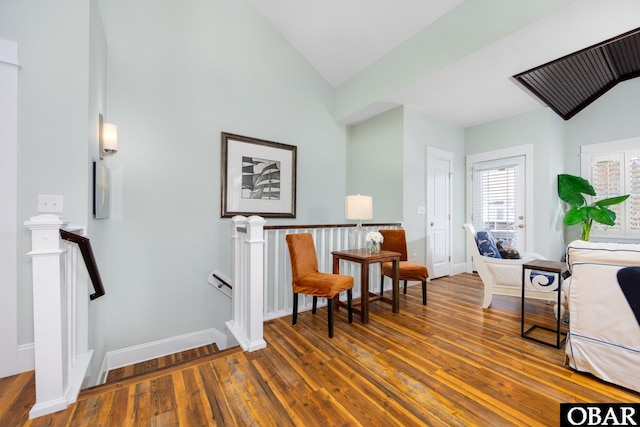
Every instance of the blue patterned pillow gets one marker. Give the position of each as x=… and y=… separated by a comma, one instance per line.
x=487, y=244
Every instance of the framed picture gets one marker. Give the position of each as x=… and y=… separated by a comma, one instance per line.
x=258, y=177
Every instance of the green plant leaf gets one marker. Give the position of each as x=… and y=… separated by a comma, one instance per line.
x=575, y=216
x=571, y=189
x=611, y=201
x=601, y=215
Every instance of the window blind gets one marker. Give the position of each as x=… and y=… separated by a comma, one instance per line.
x=495, y=199
x=616, y=174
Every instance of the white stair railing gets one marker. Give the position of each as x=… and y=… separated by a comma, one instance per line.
x=246, y=321
x=278, y=297
x=261, y=273
x=60, y=316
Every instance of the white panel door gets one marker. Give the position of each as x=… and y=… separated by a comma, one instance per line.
x=439, y=165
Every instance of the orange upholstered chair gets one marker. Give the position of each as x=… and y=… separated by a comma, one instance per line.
x=307, y=280
x=396, y=241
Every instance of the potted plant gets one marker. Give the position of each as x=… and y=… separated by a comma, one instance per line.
x=571, y=190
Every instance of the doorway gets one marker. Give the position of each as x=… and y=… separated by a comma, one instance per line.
x=499, y=194
x=439, y=170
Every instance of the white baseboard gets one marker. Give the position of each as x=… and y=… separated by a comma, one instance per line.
x=458, y=268
x=26, y=357
x=152, y=350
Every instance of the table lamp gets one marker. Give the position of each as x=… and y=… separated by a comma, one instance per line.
x=358, y=207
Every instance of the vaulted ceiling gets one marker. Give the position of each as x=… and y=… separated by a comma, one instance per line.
x=395, y=52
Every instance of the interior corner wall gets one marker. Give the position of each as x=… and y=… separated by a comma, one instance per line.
x=545, y=131
x=179, y=74
x=53, y=84
x=96, y=232
x=420, y=132
x=375, y=163
x=613, y=116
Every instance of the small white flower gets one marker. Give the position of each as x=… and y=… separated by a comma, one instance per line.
x=374, y=236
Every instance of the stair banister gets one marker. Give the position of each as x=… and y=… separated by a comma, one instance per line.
x=247, y=315
x=60, y=363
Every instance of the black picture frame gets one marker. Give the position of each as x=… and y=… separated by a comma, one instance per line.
x=258, y=177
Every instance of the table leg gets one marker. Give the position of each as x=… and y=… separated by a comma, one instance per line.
x=364, y=293
x=336, y=270
x=522, y=304
x=395, y=306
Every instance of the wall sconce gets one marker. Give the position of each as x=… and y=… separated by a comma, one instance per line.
x=358, y=207
x=108, y=137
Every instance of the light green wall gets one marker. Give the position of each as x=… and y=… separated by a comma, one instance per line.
x=53, y=128
x=98, y=321
x=420, y=132
x=614, y=116
x=375, y=164
x=178, y=76
x=460, y=32
x=544, y=130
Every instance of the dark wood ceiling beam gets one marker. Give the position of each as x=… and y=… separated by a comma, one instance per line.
x=569, y=84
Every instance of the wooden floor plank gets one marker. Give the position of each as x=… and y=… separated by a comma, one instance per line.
x=448, y=363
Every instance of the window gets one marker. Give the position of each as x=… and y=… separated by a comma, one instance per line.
x=613, y=168
x=496, y=205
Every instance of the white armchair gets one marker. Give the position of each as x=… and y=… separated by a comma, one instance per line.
x=604, y=334
x=500, y=276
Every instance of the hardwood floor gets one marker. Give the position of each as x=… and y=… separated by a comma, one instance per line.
x=447, y=363
x=160, y=363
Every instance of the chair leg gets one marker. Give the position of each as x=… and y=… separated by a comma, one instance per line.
x=315, y=305
x=405, y=287
x=295, y=309
x=381, y=284
x=330, y=316
x=350, y=305
x=424, y=292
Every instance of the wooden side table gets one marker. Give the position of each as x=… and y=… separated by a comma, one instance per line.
x=561, y=272
x=365, y=259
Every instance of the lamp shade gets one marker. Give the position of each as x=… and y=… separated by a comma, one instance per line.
x=359, y=207
x=109, y=137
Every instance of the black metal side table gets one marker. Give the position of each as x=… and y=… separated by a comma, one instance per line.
x=560, y=270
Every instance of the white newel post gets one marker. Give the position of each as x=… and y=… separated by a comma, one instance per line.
x=247, y=317
x=59, y=372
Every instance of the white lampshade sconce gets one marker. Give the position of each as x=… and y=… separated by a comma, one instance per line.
x=358, y=207
x=108, y=137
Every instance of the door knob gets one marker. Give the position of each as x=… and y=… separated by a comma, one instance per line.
x=521, y=226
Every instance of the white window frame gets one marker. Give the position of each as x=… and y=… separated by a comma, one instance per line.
x=587, y=152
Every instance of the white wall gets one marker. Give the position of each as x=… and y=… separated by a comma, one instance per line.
x=178, y=76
